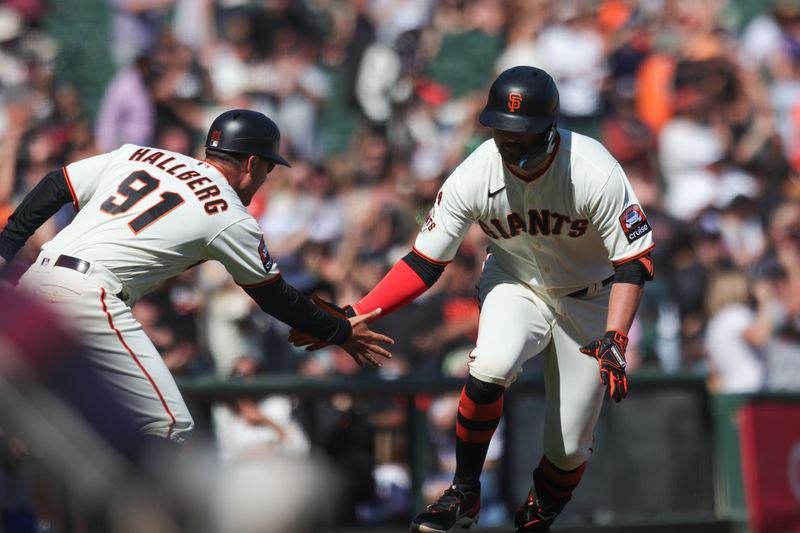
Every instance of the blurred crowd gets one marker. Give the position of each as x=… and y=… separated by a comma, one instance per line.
x=377, y=101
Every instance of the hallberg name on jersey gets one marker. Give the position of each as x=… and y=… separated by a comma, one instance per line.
x=191, y=178
x=538, y=222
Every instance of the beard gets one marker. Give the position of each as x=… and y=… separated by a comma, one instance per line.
x=512, y=152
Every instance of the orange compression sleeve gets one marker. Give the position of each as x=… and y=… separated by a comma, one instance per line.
x=408, y=278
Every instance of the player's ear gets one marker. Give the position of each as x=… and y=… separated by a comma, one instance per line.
x=252, y=161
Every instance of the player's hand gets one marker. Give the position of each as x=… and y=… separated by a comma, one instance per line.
x=299, y=339
x=362, y=344
x=610, y=354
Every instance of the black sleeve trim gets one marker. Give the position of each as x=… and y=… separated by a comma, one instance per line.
x=285, y=303
x=40, y=204
x=427, y=271
x=634, y=272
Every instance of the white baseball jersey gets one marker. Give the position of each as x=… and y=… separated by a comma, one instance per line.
x=147, y=215
x=551, y=237
x=558, y=233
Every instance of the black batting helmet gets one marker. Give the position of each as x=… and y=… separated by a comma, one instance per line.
x=241, y=131
x=523, y=100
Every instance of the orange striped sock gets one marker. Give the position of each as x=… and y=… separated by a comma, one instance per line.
x=479, y=413
x=554, y=485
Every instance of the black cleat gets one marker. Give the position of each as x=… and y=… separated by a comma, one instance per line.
x=535, y=515
x=454, y=508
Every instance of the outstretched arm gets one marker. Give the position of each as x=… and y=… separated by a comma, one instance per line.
x=291, y=307
x=288, y=305
x=408, y=278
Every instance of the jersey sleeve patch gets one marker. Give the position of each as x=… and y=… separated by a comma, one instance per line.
x=263, y=253
x=634, y=223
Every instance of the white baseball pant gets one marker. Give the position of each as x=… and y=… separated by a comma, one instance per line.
x=517, y=323
x=117, y=345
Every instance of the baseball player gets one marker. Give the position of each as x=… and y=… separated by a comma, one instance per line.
x=568, y=258
x=146, y=215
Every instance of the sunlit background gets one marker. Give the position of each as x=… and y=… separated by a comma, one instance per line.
x=377, y=101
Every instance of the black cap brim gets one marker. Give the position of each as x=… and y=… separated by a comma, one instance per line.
x=515, y=123
x=278, y=160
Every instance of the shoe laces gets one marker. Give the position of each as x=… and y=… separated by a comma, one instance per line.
x=535, y=507
x=448, y=501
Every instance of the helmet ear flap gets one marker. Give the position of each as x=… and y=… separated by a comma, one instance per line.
x=542, y=150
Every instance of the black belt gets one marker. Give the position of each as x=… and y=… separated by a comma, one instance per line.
x=73, y=263
x=584, y=291
x=79, y=265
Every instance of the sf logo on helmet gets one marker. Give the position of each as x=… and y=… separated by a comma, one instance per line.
x=514, y=101
x=215, y=137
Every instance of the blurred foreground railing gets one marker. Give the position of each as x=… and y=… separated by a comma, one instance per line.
x=667, y=454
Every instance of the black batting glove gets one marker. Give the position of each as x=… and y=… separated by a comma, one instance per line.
x=609, y=351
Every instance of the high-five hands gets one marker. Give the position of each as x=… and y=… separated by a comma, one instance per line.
x=610, y=354
x=300, y=339
x=362, y=344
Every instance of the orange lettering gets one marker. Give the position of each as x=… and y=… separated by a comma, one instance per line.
x=215, y=206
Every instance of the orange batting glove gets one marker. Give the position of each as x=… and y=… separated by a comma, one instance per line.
x=609, y=351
